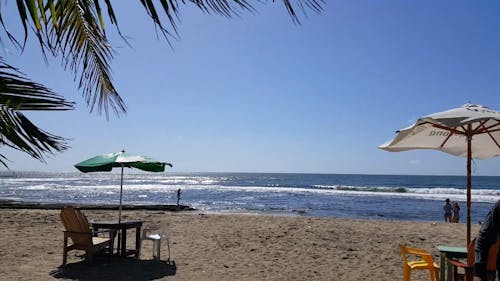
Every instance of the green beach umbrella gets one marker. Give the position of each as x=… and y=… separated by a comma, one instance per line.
x=106, y=162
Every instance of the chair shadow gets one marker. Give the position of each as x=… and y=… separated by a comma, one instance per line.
x=116, y=268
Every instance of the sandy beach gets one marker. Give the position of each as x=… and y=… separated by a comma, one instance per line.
x=226, y=247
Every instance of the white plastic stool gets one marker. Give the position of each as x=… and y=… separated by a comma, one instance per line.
x=156, y=234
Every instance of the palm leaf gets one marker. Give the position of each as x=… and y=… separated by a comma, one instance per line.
x=74, y=29
x=87, y=53
x=18, y=93
x=16, y=130
x=220, y=7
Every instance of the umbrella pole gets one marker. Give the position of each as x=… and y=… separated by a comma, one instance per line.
x=469, y=180
x=121, y=196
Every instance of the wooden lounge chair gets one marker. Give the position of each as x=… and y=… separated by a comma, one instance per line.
x=80, y=232
x=469, y=266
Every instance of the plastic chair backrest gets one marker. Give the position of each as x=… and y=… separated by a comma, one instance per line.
x=163, y=230
x=404, y=250
x=155, y=232
x=492, y=255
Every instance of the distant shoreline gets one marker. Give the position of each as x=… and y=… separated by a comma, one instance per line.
x=11, y=204
x=10, y=174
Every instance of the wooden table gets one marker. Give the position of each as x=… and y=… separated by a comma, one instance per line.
x=448, y=252
x=122, y=234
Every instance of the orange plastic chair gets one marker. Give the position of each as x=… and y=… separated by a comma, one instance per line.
x=468, y=268
x=424, y=262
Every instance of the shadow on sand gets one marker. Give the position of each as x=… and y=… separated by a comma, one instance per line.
x=116, y=268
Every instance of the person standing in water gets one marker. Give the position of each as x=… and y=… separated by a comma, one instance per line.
x=456, y=212
x=447, y=208
x=179, y=192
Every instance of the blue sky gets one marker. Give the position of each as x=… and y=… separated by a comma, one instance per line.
x=257, y=93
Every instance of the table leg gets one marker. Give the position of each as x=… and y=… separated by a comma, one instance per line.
x=119, y=243
x=137, y=241
x=449, y=270
x=124, y=242
x=442, y=265
x=112, y=235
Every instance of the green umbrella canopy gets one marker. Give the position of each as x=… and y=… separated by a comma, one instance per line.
x=106, y=162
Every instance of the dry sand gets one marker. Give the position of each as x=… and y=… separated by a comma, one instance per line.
x=226, y=247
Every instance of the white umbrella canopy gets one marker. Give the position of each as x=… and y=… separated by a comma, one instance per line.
x=471, y=131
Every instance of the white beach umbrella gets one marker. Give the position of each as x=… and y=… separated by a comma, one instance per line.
x=471, y=131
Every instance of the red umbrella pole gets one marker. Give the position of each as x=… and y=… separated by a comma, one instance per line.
x=469, y=180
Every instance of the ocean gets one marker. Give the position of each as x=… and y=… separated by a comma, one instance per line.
x=389, y=197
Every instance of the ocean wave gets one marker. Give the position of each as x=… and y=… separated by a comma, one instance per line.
x=364, y=188
x=386, y=189
x=205, y=185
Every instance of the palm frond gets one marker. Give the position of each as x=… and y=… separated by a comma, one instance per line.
x=314, y=5
x=16, y=131
x=222, y=7
x=74, y=29
x=87, y=53
x=19, y=93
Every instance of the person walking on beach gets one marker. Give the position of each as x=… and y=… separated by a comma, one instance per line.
x=456, y=212
x=447, y=207
x=488, y=235
x=179, y=192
